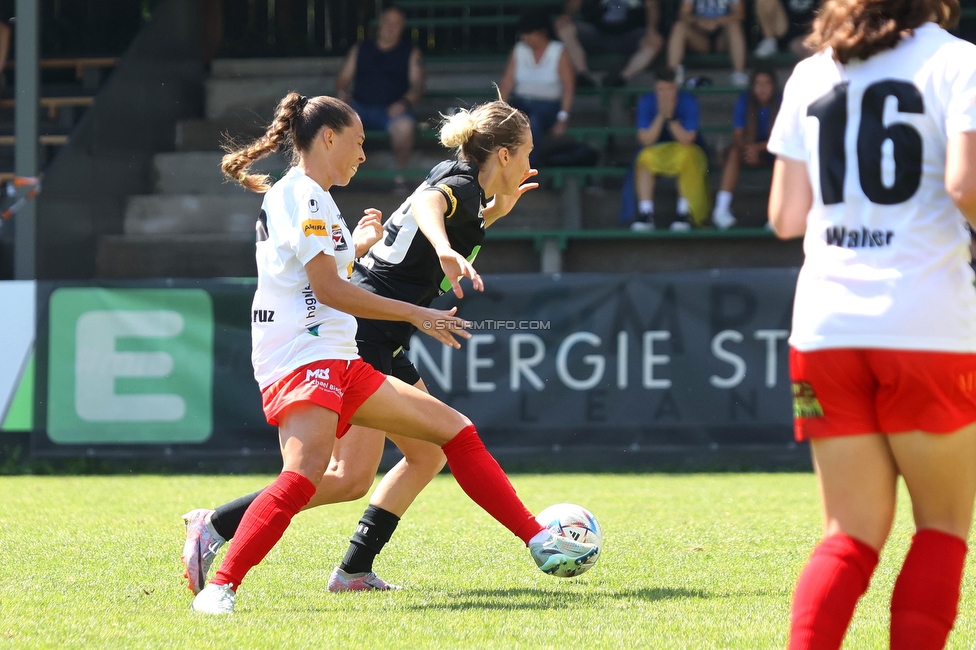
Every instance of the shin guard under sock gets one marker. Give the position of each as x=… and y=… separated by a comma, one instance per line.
x=835, y=577
x=373, y=532
x=263, y=525
x=926, y=596
x=483, y=480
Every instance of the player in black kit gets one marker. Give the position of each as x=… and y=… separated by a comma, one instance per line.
x=423, y=251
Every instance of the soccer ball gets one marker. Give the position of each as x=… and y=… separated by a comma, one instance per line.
x=576, y=523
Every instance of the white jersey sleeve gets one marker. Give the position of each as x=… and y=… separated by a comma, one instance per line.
x=961, y=110
x=309, y=231
x=787, y=137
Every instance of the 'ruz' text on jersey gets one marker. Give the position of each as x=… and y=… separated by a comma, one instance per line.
x=289, y=326
x=887, y=261
x=403, y=265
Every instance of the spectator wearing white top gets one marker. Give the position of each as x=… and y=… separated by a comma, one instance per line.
x=539, y=79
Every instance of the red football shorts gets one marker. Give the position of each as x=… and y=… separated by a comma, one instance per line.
x=340, y=386
x=846, y=392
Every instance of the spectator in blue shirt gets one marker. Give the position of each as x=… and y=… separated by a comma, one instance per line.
x=709, y=26
x=755, y=111
x=667, y=127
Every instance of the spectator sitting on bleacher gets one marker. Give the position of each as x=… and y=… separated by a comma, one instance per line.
x=387, y=76
x=784, y=23
x=539, y=79
x=707, y=26
x=628, y=27
x=667, y=127
x=755, y=112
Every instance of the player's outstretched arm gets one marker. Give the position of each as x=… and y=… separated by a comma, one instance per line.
x=429, y=210
x=960, y=177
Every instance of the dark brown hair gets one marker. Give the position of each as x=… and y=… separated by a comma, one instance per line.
x=858, y=29
x=474, y=134
x=751, y=134
x=297, y=120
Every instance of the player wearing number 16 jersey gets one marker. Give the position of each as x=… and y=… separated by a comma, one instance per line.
x=876, y=169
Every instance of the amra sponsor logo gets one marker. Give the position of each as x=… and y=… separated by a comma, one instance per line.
x=315, y=227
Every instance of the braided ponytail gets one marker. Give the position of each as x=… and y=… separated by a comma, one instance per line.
x=297, y=121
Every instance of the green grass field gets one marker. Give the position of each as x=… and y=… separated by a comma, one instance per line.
x=690, y=561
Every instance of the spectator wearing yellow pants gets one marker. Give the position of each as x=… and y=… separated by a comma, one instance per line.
x=667, y=126
x=689, y=164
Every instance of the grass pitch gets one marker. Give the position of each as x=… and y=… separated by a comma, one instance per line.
x=690, y=561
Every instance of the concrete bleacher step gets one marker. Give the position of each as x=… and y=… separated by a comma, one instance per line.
x=259, y=95
x=294, y=66
x=174, y=214
x=198, y=172
x=176, y=256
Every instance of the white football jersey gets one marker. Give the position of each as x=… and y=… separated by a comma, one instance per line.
x=289, y=327
x=887, y=252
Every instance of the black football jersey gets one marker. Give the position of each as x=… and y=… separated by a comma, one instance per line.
x=403, y=265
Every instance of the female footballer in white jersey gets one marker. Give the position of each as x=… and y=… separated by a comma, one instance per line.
x=313, y=383
x=427, y=245
x=876, y=169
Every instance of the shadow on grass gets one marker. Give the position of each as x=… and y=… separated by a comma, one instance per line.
x=524, y=598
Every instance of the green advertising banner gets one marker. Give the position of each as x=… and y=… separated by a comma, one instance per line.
x=130, y=366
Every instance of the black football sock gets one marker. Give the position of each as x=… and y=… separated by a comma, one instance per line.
x=373, y=532
x=226, y=518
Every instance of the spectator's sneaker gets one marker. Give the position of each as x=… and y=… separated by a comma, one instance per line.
x=679, y=74
x=614, y=80
x=681, y=223
x=200, y=548
x=698, y=82
x=643, y=222
x=214, y=599
x=559, y=551
x=342, y=581
x=739, y=79
x=766, y=48
x=723, y=219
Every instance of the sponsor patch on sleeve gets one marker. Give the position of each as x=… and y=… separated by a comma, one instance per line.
x=338, y=240
x=315, y=227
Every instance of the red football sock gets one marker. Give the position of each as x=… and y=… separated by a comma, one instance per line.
x=926, y=596
x=836, y=575
x=263, y=525
x=481, y=478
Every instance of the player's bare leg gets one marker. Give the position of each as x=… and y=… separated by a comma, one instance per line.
x=857, y=477
x=940, y=472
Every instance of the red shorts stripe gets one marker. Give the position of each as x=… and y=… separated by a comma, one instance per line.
x=843, y=392
x=338, y=385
